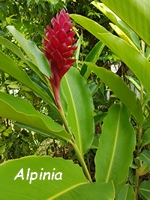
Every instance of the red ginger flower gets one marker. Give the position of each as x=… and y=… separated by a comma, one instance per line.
x=58, y=49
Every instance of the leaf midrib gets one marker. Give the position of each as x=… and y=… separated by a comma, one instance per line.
x=76, y=118
x=113, y=152
x=66, y=190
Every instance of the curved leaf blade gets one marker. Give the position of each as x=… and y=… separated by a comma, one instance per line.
x=39, y=189
x=63, y=183
x=121, y=90
x=22, y=111
x=104, y=191
x=79, y=108
x=10, y=67
x=113, y=158
x=126, y=193
x=92, y=57
x=145, y=156
x=116, y=20
x=37, y=57
x=134, y=60
x=144, y=189
x=139, y=12
x=12, y=47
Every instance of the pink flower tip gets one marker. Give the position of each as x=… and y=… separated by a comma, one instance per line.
x=59, y=49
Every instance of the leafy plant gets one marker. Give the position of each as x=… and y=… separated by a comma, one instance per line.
x=115, y=162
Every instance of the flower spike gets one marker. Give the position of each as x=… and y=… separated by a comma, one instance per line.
x=59, y=49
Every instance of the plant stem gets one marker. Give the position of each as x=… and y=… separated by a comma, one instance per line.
x=72, y=142
x=139, y=142
x=136, y=183
x=82, y=162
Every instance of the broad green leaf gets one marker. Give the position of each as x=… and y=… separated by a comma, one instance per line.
x=92, y=57
x=146, y=137
x=79, y=108
x=144, y=190
x=27, y=179
x=19, y=53
x=138, y=17
x=116, y=20
x=145, y=156
x=37, y=57
x=126, y=193
x=94, y=191
x=10, y=67
x=121, y=90
x=116, y=146
x=127, y=53
x=22, y=111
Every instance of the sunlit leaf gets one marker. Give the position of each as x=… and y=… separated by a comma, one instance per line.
x=113, y=158
x=79, y=112
x=64, y=180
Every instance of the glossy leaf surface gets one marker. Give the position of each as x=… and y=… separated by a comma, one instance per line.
x=145, y=156
x=10, y=67
x=79, y=108
x=139, y=12
x=92, y=57
x=22, y=111
x=12, y=47
x=62, y=183
x=37, y=57
x=121, y=90
x=116, y=20
x=117, y=135
x=146, y=137
x=144, y=189
x=127, y=53
x=126, y=193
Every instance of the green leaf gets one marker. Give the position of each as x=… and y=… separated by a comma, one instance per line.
x=91, y=191
x=139, y=12
x=146, y=137
x=134, y=60
x=145, y=156
x=121, y=90
x=92, y=57
x=113, y=158
x=37, y=57
x=10, y=67
x=12, y=47
x=64, y=180
x=22, y=111
x=144, y=190
x=79, y=108
x=116, y=20
x=126, y=193
x=2, y=149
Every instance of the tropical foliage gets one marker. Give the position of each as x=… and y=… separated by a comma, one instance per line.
x=94, y=126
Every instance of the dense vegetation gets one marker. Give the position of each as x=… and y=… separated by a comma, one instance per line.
x=118, y=101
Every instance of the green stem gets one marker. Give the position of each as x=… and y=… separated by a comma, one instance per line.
x=136, y=183
x=139, y=142
x=82, y=162
x=72, y=142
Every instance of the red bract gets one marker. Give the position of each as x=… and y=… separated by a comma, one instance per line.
x=58, y=49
